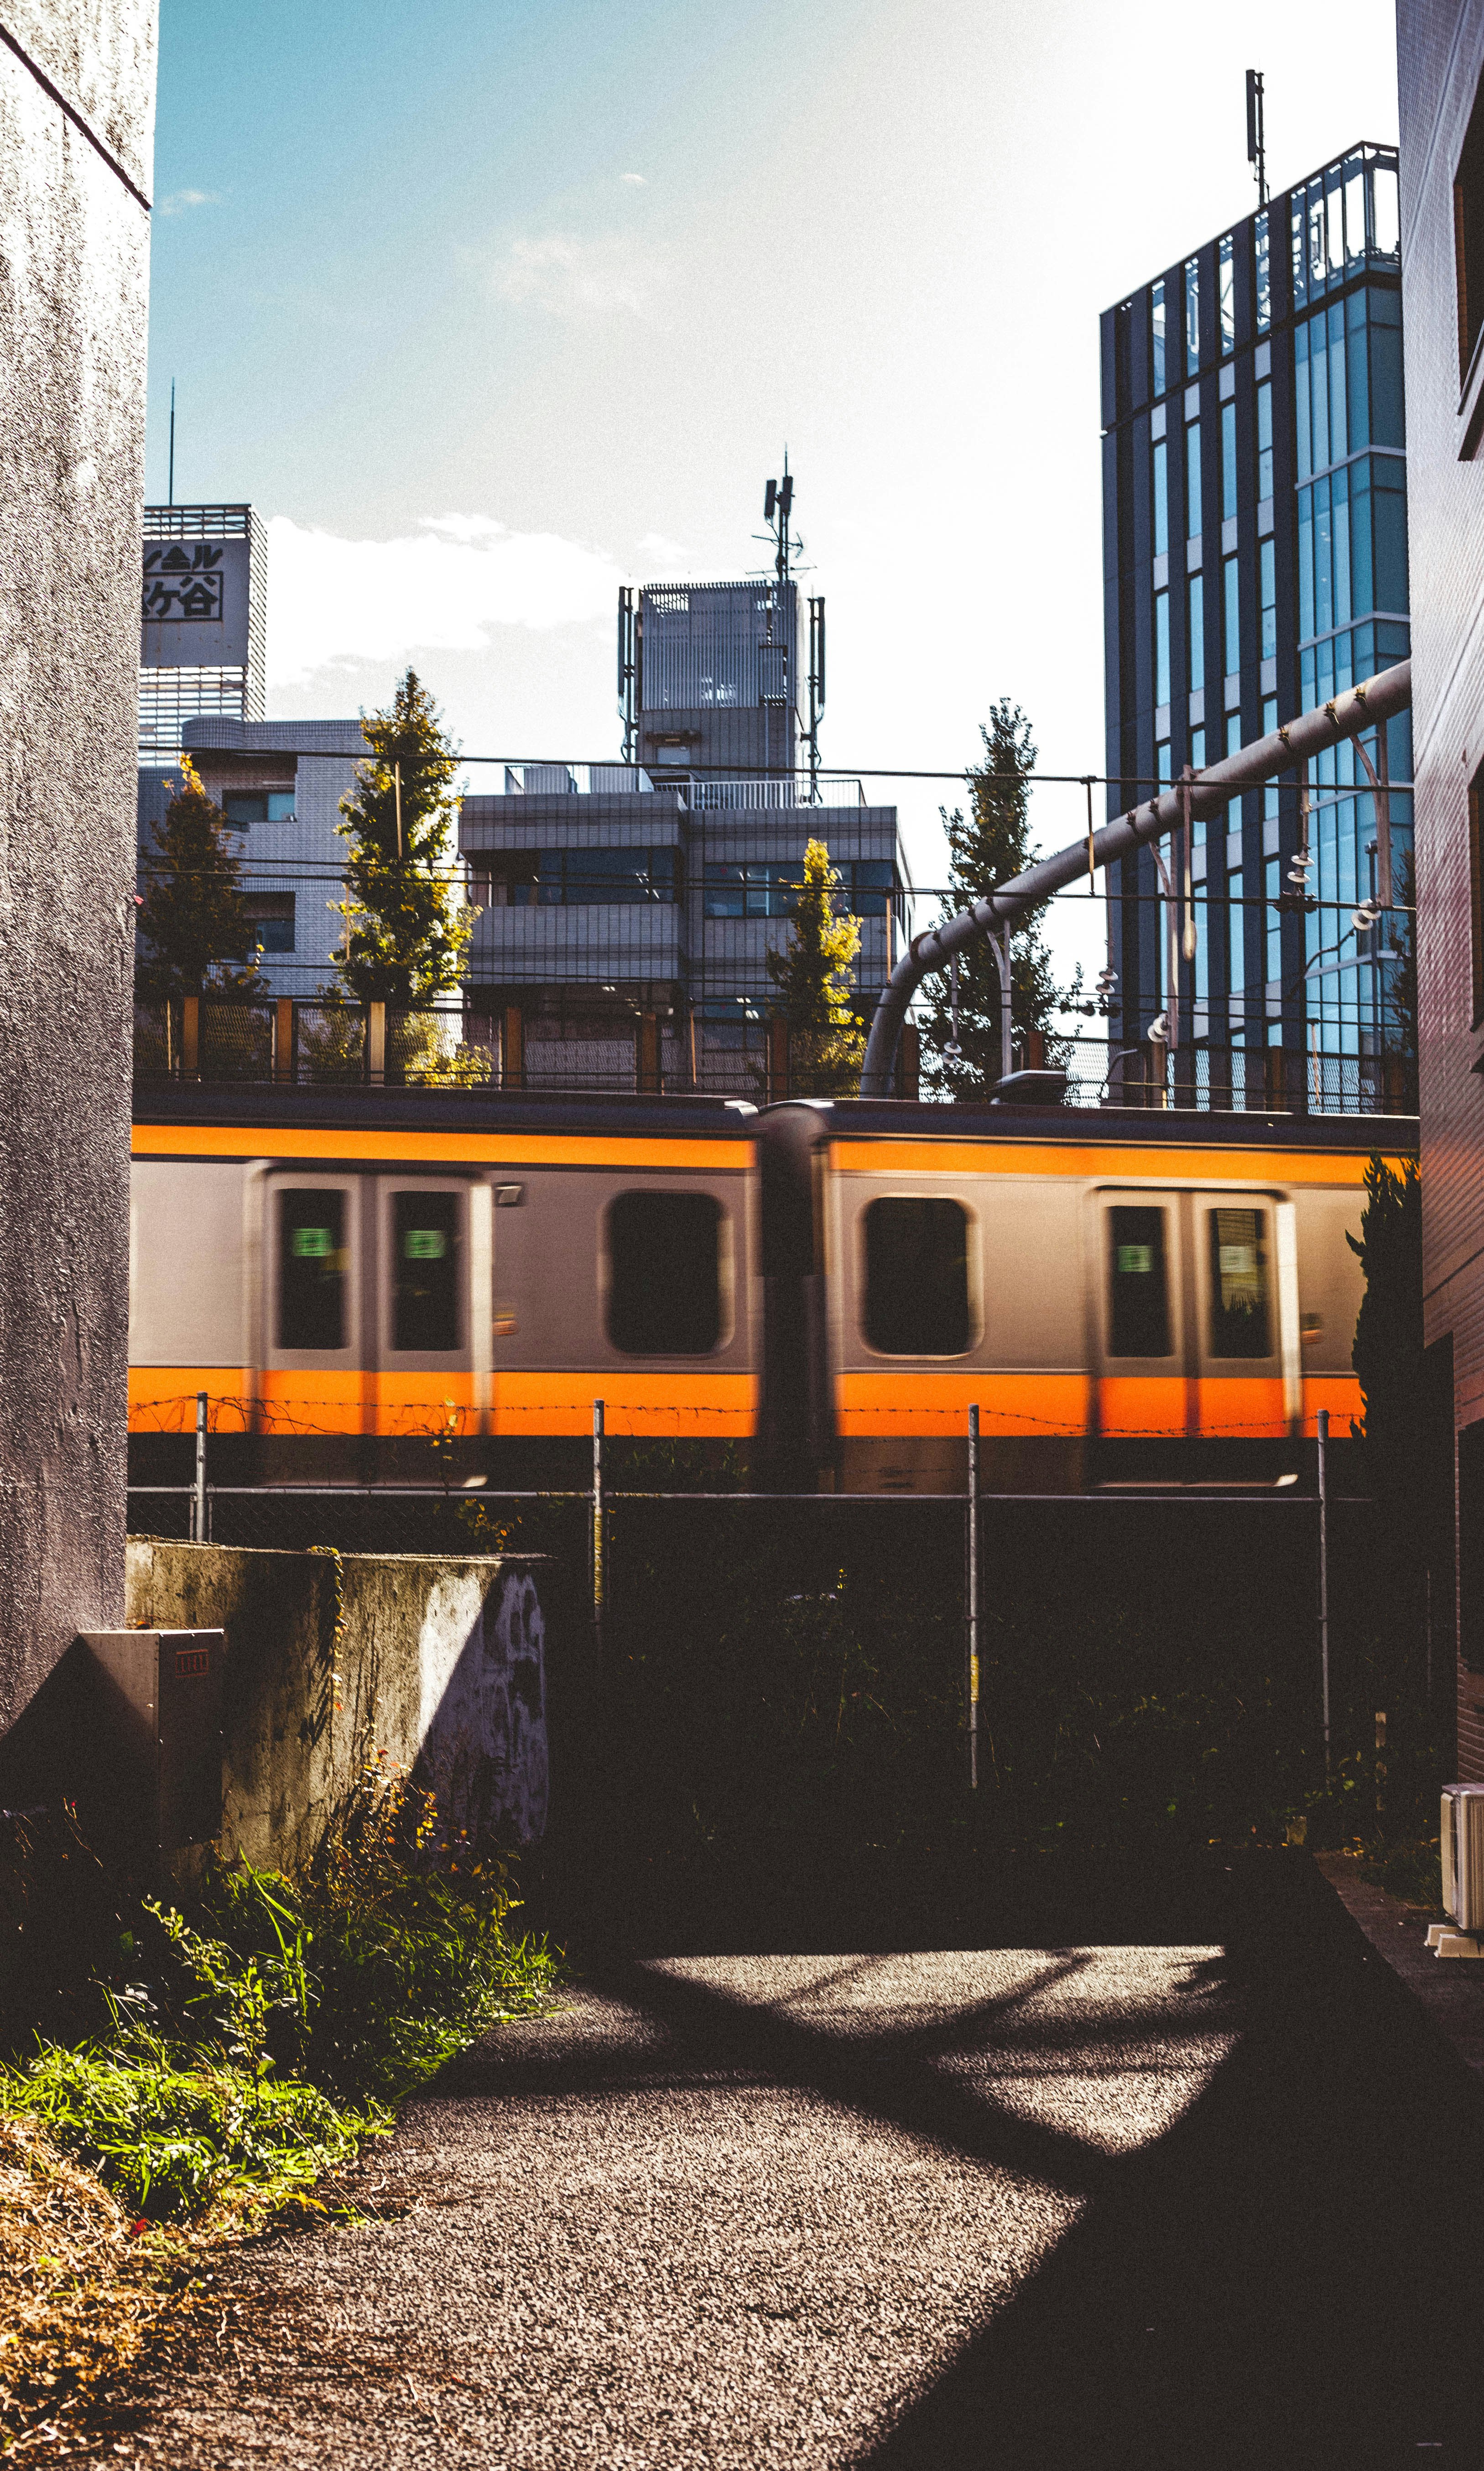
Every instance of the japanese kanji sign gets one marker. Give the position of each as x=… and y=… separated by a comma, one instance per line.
x=195, y=607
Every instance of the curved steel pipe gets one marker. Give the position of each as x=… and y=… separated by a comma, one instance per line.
x=1375, y=700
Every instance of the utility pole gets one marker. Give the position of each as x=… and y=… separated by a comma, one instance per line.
x=170, y=491
x=1257, y=147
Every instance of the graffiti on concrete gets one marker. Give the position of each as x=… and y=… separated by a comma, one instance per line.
x=483, y=1722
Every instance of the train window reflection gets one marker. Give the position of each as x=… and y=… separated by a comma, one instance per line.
x=664, y=1273
x=1138, y=1283
x=424, y=1272
x=916, y=1277
x=1239, y=1284
x=311, y=1267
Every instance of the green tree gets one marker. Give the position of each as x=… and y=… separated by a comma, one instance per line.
x=195, y=934
x=986, y=847
x=407, y=925
x=1388, y=1355
x=813, y=978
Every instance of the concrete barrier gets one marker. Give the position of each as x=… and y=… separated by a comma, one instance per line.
x=417, y=1663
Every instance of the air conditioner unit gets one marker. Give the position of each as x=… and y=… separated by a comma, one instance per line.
x=1463, y=1856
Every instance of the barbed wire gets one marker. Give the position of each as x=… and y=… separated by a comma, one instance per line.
x=293, y=1426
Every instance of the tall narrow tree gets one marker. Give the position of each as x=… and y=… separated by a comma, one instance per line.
x=986, y=847
x=814, y=977
x=407, y=925
x=196, y=937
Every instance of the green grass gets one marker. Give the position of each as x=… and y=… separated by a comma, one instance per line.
x=250, y=2040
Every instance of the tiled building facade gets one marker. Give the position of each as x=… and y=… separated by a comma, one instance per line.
x=1440, y=64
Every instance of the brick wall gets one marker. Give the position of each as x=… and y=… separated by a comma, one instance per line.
x=1440, y=56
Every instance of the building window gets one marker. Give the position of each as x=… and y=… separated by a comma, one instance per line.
x=1265, y=289
x=1268, y=589
x=770, y=888
x=1198, y=764
x=311, y=1267
x=1161, y=494
x=1265, y=439
x=1228, y=296
x=916, y=1277
x=271, y=916
x=1273, y=918
x=426, y=1253
x=1469, y=235
x=1161, y=647
x=1192, y=316
x=521, y=878
x=664, y=1273
x=1231, y=619
x=1228, y=462
x=1193, y=481
x=1198, y=634
x=244, y=806
x=1138, y=1286
x=1157, y=335
x=1237, y=953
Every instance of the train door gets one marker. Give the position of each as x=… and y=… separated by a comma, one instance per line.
x=1141, y=1308
x=311, y=1367
x=1244, y=1258
x=433, y=1246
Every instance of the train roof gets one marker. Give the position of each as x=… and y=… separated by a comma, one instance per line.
x=357, y=1107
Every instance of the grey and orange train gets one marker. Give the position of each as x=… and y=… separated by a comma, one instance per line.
x=1128, y=1297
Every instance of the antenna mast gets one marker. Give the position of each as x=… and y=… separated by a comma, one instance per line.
x=777, y=509
x=1257, y=150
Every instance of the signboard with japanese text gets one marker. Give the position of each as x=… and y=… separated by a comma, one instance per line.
x=195, y=605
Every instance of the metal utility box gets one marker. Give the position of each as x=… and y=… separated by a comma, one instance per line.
x=1463, y=1856
x=156, y=1716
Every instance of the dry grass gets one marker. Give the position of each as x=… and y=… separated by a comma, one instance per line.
x=79, y=2294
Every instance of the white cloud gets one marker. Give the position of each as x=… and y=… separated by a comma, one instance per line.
x=572, y=277
x=443, y=589
x=181, y=201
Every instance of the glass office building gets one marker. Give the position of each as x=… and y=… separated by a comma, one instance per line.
x=1254, y=564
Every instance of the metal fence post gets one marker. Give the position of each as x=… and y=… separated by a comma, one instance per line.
x=597, y=1524
x=971, y=1623
x=198, y=1532
x=1323, y=1425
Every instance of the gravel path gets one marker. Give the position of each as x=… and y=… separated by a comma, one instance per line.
x=1093, y=2206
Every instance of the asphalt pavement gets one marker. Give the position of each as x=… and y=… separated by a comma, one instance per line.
x=1136, y=2204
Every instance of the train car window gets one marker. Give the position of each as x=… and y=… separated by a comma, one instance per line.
x=424, y=1272
x=1239, y=1284
x=916, y=1277
x=664, y=1273
x=1138, y=1283
x=311, y=1267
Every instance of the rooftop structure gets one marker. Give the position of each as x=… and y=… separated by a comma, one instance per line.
x=204, y=625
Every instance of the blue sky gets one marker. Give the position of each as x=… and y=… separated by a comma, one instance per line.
x=492, y=307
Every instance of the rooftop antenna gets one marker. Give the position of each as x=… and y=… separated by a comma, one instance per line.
x=777, y=509
x=1257, y=150
x=171, y=492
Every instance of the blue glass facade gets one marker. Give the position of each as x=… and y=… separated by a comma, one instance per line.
x=1271, y=425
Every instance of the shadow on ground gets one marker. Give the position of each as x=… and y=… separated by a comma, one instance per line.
x=1290, y=2274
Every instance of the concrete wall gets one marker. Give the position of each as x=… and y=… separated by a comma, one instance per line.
x=74, y=264
x=437, y=1669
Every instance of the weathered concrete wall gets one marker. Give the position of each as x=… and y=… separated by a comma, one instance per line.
x=74, y=266
x=423, y=1665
